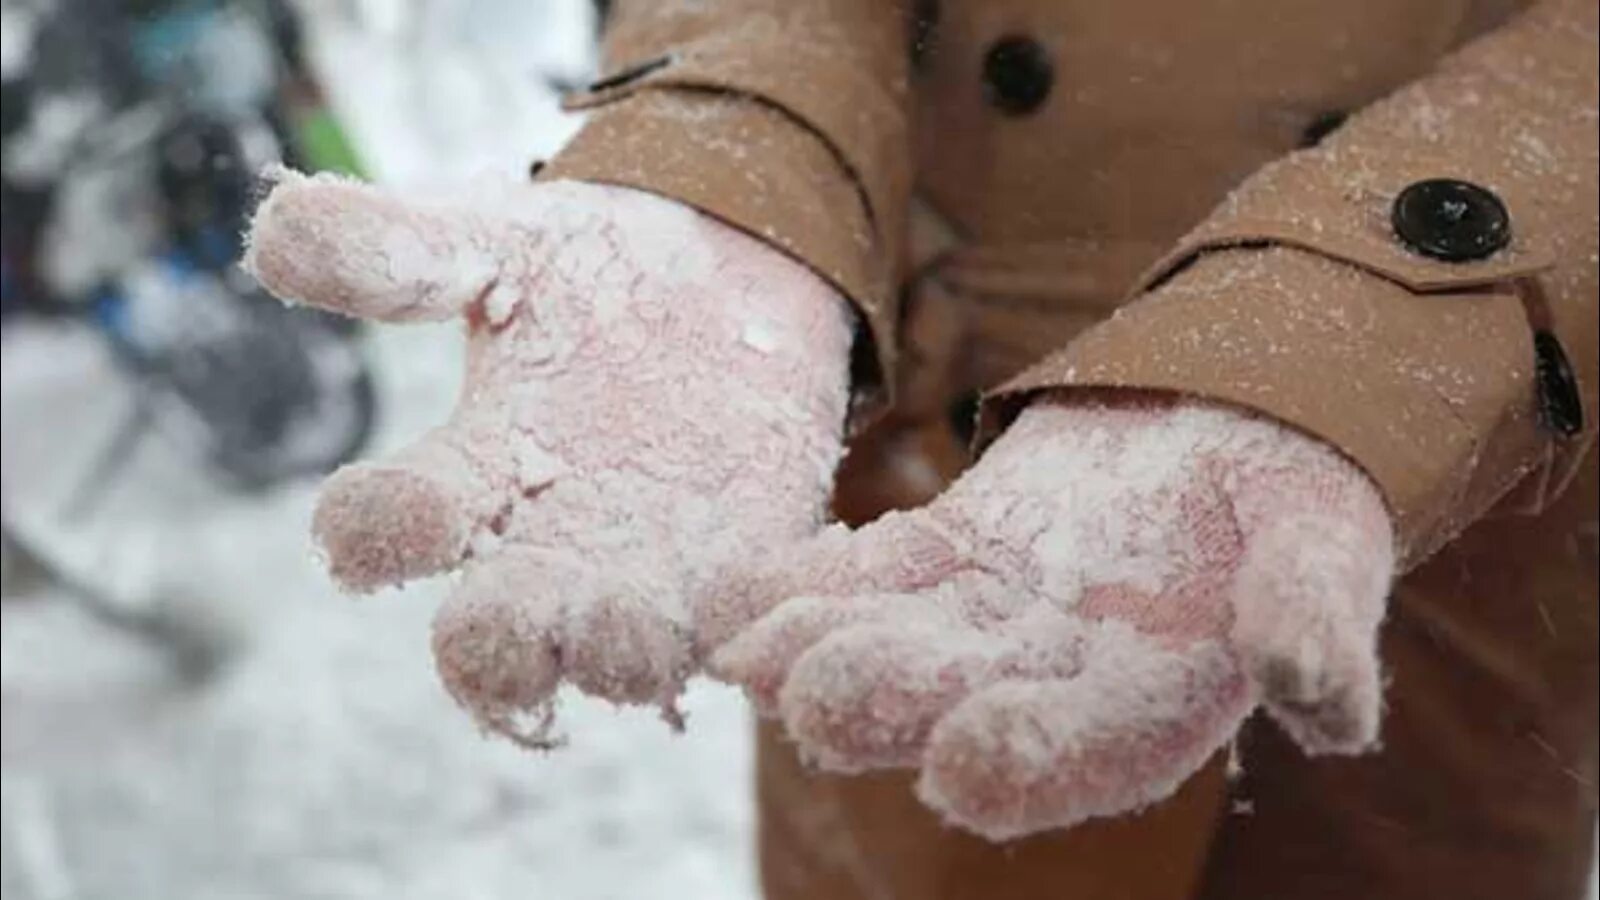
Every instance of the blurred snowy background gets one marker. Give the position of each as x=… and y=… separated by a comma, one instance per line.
x=189, y=709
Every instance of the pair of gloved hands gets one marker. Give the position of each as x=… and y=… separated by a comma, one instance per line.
x=635, y=479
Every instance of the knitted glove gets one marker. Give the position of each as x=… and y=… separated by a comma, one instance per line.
x=1081, y=620
x=648, y=392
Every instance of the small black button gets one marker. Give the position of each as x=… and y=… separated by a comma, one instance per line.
x=1452, y=220
x=1321, y=127
x=1560, y=404
x=1017, y=75
x=534, y=168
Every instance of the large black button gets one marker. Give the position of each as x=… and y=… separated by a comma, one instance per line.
x=1560, y=404
x=1017, y=75
x=1451, y=220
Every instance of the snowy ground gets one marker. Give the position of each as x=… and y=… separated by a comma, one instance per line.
x=324, y=761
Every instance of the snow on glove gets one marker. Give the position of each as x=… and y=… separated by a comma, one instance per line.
x=648, y=391
x=1081, y=620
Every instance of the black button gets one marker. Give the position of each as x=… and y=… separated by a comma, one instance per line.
x=1451, y=220
x=534, y=168
x=1017, y=75
x=1321, y=127
x=1560, y=404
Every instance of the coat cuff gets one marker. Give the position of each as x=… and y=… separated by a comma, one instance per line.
x=1433, y=397
x=790, y=124
x=792, y=63
x=1353, y=221
x=1417, y=291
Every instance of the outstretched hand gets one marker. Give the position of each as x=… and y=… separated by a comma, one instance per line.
x=648, y=393
x=1081, y=620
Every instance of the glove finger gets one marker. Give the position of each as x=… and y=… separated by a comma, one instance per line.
x=351, y=248
x=416, y=513
x=902, y=552
x=1023, y=756
x=1308, y=600
x=760, y=658
x=624, y=640
x=497, y=640
x=868, y=697
x=525, y=619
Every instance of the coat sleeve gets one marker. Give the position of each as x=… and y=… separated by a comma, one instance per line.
x=1297, y=297
x=785, y=118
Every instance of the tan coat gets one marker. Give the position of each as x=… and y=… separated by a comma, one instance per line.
x=1079, y=195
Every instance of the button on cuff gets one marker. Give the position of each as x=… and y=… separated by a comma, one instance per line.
x=1450, y=220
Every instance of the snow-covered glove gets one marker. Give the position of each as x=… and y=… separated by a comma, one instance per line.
x=648, y=392
x=1082, y=619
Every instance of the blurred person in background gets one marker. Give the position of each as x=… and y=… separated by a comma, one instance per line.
x=133, y=133
x=1284, y=322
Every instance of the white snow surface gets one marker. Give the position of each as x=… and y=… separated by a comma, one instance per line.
x=327, y=763
x=325, y=760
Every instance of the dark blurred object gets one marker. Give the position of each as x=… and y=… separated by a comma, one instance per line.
x=201, y=175
x=133, y=135
x=131, y=221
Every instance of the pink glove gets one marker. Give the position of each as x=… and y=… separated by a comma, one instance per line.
x=648, y=392
x=1082, y=620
